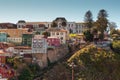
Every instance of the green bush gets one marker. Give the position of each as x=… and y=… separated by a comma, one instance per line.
x=26, y=75
x=116, y=46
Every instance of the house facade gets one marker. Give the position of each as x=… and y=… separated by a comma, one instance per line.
x=37, y=26
x=71, y=27
x=21, y=24
x=27, y=39
x=39, y=44
x=80, y=28
x=53, y=41
x=15, y=32
x=3, y=37
x=15, y=40
x=59, y=33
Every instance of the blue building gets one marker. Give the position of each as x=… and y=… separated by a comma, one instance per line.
x=3, y=37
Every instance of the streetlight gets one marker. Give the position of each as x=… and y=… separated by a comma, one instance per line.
x=72, y=65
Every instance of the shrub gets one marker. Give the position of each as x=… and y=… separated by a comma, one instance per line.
x=116, y=46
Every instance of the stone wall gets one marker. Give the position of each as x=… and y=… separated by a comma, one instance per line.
x=53, y=55
x=40, y=58
x=57, y=53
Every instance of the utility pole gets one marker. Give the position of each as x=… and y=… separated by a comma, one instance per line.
x=72, y=65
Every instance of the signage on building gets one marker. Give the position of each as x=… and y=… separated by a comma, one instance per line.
x=39, y=44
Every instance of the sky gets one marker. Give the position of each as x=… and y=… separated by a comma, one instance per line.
x=48, y=10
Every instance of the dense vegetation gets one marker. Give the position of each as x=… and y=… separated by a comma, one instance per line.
x=96, y=28
x=116, y=46
x=96, y=64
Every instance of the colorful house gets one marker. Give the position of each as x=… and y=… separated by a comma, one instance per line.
x=39, y=44
x=53, y=41
x=3, y=37
x=59, y=33
x=27, y=39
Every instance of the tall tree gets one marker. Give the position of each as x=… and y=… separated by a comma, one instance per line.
x=46, y=34
x=88, y=19
x=88, y=36
x=102, y=21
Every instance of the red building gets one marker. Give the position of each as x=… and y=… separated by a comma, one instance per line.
x=52, y=41
x=5, y=71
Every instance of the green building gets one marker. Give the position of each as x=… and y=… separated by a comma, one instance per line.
x=3, y=37
x=26, y=39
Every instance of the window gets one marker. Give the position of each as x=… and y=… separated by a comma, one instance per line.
x=61, y=33
x=48, y=25
x=61, y=38
x=72, y=25
x=69, y=25
x=57, y=33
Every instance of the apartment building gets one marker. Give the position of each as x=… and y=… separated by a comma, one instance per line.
x=14, y=35
x=80, y=28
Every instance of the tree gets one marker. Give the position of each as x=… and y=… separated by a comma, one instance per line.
x=25, y=74
x=34, y=68
x=46, y=34
x=102, y=22
x=54, y=24
x=88, y=35
x=115, y=34
x=88, y=19
x=116, y=46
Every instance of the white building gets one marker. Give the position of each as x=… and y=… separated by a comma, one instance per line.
x=80, y=27
x=59, y=33
x=71, y=27
x=39, y=44
x=21, y=24
x=48, y=24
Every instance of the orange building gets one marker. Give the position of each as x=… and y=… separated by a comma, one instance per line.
x=15, y=32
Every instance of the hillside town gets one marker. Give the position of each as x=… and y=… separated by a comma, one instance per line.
x=41, y=43
x=35, y=42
